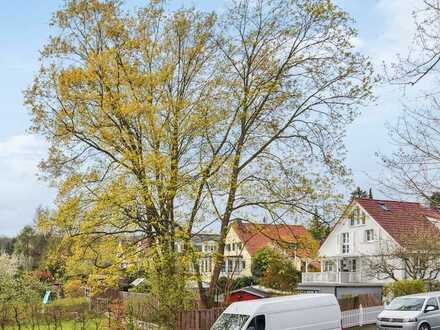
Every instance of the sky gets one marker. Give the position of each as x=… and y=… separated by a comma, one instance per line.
x=385, y=29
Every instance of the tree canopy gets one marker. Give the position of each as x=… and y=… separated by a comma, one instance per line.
x=160, y=122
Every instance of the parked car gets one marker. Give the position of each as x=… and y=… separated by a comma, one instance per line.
x=413, y=312
x=306, y=312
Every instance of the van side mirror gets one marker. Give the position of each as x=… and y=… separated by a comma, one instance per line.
x=430, y=308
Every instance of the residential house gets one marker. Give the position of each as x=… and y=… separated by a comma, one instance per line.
x=245, y=239
x=367, y=226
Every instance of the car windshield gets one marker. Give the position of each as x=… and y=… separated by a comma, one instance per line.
x=230, y=322
x=406, y=304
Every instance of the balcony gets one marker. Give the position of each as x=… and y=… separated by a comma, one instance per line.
x=332, y=277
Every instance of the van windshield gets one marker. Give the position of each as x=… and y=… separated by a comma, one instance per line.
x=230, y=322
x=406, y=304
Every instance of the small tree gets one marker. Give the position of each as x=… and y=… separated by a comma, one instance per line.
x=8, y=264
x=281, y=275
x=6, y=297
x=274, y=270
x=168, y=297
x=417, y=255
x=319, y=229
x=359, y=193
x=261, y=260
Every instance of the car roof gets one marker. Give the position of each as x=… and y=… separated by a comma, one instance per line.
x=289, y=302
x=424, y=294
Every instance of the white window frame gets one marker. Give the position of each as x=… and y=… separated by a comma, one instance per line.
x=357, y=217
x=345, y=241
x=369, y=235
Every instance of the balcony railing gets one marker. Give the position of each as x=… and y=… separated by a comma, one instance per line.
x=332, y=277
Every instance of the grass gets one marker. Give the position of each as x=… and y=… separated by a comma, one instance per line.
x=65, y=325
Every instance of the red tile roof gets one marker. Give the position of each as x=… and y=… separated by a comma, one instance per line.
x=257, y=236
x=400, y=219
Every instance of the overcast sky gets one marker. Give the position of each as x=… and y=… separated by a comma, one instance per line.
x=385, y=29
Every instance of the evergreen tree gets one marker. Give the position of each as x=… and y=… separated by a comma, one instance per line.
x=435, y=200
x=359, y=193
x=318, y=228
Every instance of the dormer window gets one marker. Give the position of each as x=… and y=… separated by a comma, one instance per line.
x=357, y=217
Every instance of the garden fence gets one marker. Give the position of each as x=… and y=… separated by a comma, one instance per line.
x=360, y=317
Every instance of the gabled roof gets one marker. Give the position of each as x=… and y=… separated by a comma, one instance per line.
x=261, y=291
x=400, y=219
x=256, y=236
x=205, y=237
x=253, y=291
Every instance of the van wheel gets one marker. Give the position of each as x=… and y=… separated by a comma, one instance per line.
x=425, y=326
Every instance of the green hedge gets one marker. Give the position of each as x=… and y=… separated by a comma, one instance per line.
x=404, y=287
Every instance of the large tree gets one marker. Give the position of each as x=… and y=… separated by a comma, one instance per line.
x=414, y=166
x=161, y=122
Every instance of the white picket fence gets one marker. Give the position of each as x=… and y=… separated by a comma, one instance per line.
x=361, y=316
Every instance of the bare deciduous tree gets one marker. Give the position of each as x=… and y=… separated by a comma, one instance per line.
x=418, y=256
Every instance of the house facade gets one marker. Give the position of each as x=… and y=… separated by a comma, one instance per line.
x=245, y=239
x=367, y=228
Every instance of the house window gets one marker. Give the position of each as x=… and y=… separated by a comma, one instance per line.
x=353, y=266
x=243, y=264
x=329, y=266
x=369, y=235
x=357, y=217
x=345, y=243
x=237, y=265
x=230, y=265
x=228, y=247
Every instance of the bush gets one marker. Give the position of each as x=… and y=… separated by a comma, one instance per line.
x=245, y=281
x=70, y=305
x=74, y=289
x=404, y=287
x=274, y=270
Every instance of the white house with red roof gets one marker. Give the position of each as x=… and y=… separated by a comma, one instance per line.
x=361, y=233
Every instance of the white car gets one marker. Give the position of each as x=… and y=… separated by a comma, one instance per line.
x=412, y=312
x=305, y=312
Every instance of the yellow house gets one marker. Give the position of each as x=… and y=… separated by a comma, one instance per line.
x=245, y=239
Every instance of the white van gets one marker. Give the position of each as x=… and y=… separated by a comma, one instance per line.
x=305, y=312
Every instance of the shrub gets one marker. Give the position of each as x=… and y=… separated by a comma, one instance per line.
x=74, y=289
x=404, y=287
x=274, y=270
x=227, y=284
x=245, y=281
x=70, y=305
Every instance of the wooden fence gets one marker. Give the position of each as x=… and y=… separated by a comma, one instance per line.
x=201, y=319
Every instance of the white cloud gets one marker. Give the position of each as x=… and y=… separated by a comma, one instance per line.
x=20, y=190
